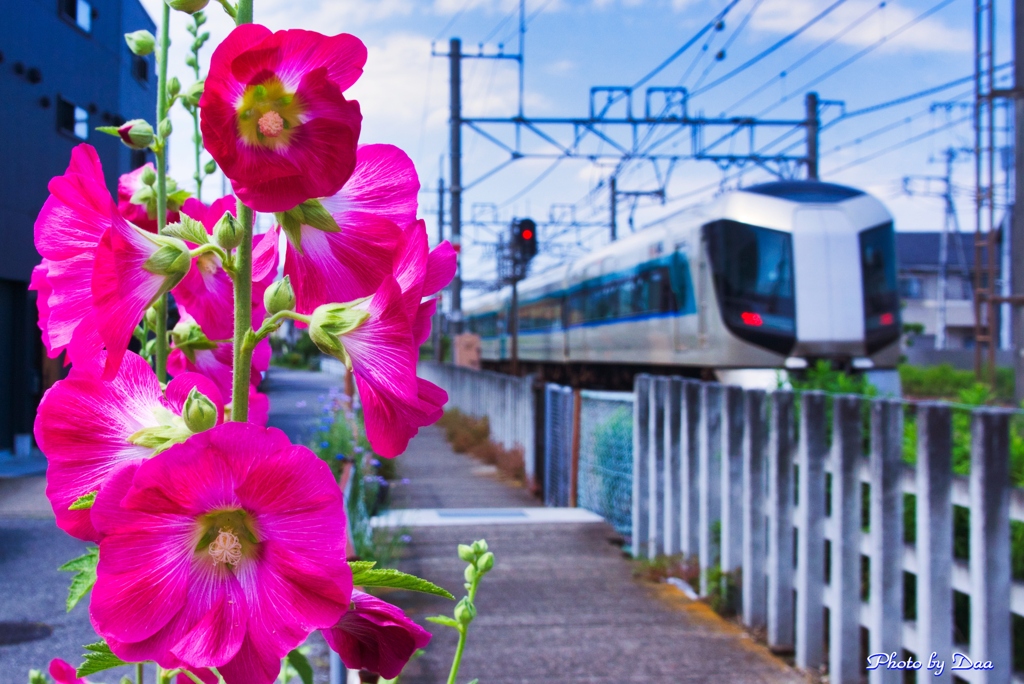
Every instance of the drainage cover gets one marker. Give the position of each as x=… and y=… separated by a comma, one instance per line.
x=20, y=632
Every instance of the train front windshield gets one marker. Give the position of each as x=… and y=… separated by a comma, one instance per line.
x=753, y=272
x=881, y=297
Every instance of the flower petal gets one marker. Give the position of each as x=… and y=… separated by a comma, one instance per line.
x=384, y=183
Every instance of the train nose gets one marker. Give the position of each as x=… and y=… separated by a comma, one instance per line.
x=829, y=311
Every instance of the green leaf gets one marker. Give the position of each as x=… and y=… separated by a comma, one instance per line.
x=109, y=130
x=358, y=566
x=189, y=229
x=98, y=658
x=84, y=568
x=84, y=502
x=475, y=681
x=444, y=620
x=395, y=579
x=302, y=666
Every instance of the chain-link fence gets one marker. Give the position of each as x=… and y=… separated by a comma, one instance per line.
x=606, y=457
x=557, y=444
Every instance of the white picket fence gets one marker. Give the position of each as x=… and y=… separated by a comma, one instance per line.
x=507, y=401
x=706, y=453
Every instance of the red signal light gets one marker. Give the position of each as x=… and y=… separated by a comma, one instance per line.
x=751, y=318
x=886, y=319
x=527, y=234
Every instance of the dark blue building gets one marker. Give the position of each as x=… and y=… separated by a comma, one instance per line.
x=64, y=70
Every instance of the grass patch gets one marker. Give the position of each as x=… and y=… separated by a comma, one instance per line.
x=470, y=435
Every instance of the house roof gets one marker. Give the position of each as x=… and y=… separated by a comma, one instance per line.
x=919, y=250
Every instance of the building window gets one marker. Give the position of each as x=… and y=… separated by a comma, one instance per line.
x=140, y=69
x=72, y=120
x=79, y=12
x=911, y=287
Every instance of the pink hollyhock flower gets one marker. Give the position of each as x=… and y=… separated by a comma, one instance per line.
x=130, y=183
x=207, y=292
x=375, y=636
x=274, y=117
x=85, y=426
x=380, y=197
x=65, y=673
x=99, y=273
x=225, y=551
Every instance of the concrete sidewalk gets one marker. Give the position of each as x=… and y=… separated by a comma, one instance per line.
x=561, y=604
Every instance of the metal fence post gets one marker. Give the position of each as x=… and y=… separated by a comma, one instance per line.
x=886, y=592
x=934, y=538
x=990, y=546
x=732, y=479
x=754, y=593
x=780, y=522
x=845, y=664
x=810, y=580
x=641, y=435
x=656, y=467
x=672, y=474
x=690, y=472
x=710, y=475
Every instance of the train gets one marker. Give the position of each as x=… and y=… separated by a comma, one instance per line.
x=758, y=282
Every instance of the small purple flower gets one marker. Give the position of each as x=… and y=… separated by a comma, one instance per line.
x=405, y=480
x=324, y=445
x=405, y=539
x=375, y=463
x=357, y=449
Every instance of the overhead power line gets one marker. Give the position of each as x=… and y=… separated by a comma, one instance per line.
x=764, y=53
x=867, y=50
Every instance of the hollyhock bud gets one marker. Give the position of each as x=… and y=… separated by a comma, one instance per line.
x=148, y=176
x=486, y=562
x=469, y=573
x=140, y=42
x=193, y=93
x=136, y=134
x=200, y=414
x=165, y=128
x=172, y=258
x=465, y=611
x=173, y=86
x=189, y=338
x=188, y=6
x=466, y=553
x=329, y=322
x=227, y=233
x=375, y=636
x=480, y=546
x=279, y=297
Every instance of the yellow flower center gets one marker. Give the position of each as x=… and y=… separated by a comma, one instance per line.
x=268, y=114
x=227, y=537
x=226, y=548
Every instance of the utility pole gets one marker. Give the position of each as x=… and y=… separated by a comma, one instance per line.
x=1016, y=275
x=438, y=352
x=455, y=62
x=614, y=197
x=813, y=124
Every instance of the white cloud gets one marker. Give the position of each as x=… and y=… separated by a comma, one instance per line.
x=931, y=34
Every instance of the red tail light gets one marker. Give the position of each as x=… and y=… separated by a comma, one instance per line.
x=751, y=318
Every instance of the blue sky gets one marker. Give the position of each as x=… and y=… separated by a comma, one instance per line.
x=572, y=45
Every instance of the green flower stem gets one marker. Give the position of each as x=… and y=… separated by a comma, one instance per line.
x=270, y=325
x=210, y=247
x=243, y=13
x=161, y=186
x=229, y=8
x=138, y=673
x=244, y=340
x=453, y=675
